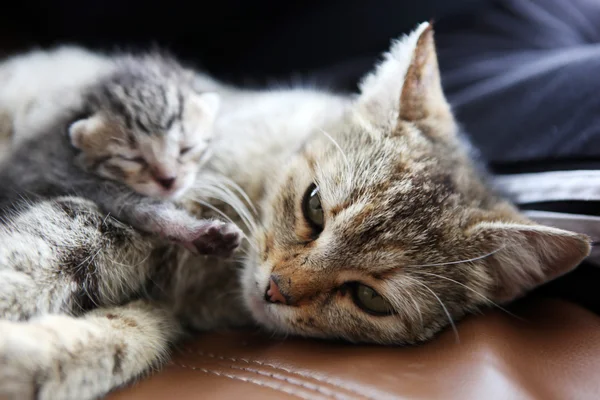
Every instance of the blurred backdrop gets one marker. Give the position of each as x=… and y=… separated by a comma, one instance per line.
x=242, y=41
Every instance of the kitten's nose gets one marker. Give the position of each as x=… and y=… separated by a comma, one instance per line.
x=166, y=183
x=273, y=294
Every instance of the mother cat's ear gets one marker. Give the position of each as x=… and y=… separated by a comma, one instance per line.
x=525, y=256
x=82, y=131
x=406, y=86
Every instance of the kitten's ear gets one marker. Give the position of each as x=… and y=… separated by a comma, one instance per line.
x=82, y=131
x=407, y=84
x=203, y=107
x=528, y=255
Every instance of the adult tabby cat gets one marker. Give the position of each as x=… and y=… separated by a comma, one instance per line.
x=373, y=225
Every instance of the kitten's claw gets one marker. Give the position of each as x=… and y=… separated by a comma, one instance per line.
x=215, y=238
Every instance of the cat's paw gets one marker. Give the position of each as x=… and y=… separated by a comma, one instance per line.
x=17, y=374
x=26, y=359
x=214, y=238
x=36, y=365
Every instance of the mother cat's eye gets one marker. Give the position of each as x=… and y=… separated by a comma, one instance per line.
x=370, y=301
x=311, y=208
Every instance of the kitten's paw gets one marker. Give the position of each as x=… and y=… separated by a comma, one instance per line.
x=215, y=238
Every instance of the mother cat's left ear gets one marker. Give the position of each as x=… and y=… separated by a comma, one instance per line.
x=422, y=95
x=406, y=86
x=527, y=255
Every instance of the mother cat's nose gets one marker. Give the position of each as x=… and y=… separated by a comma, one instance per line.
x=273, y=293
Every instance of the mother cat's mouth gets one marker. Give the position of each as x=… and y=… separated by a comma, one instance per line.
x=259, y=309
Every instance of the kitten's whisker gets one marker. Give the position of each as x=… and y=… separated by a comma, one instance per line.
x=452, y=324
x=470, y=289
x=459, y=261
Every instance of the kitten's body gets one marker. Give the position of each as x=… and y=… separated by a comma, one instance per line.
x=405, y=213
x=139, y=112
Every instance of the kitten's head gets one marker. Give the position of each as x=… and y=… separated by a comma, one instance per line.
x=147, y=129
x=381, y=229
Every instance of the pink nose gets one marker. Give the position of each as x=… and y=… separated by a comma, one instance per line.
x=166, y=183
x=273, y=294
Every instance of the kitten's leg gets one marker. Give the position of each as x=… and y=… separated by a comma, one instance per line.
x=204, y=236
x=64, y=256
x=62, y=357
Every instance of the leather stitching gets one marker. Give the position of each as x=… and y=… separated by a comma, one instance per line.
x=306, y=385
x=322, y=390
x=257, y=382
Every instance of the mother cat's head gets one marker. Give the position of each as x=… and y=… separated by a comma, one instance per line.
x=382, y=230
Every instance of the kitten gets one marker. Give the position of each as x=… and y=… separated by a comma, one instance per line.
x=144, y=129
x=373, y=225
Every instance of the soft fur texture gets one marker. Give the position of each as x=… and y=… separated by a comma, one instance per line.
x=146, y=126
x=138, y=126
x=406, y=214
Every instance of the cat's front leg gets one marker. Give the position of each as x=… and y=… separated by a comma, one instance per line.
x=202, y=236
x=62, y=358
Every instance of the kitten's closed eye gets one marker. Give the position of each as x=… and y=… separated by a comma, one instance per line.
x=312, y=209
x=137, y=159
x=185, y=150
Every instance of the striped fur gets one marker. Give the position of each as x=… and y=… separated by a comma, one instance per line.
x=407, y=213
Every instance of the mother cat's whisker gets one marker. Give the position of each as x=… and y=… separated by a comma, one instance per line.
x=215, y=209
x=336, y=144
x=452, y=324
x=418, y=308
x=459, y=261
x=227, y=218
x=213, y=187
x=348, y=171
x=470, y=289
x=225, y=184
x=240, y=191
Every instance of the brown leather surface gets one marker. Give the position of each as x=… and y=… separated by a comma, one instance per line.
x=552, y=351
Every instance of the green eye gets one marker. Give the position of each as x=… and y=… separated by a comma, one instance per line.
x=370, y=301
x=311, y=208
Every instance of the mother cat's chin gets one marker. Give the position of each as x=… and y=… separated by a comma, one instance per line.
x=381, y=229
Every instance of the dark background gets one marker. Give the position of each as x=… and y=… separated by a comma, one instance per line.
x=241, y=41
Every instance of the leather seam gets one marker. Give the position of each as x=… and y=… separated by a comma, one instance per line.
x=258, y=382
x=333, y=385
x=294, y=381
